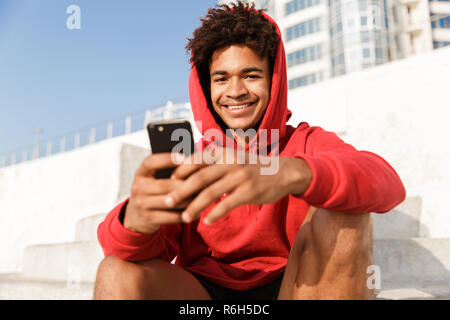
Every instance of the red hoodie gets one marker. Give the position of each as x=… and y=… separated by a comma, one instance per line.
x=249, y=246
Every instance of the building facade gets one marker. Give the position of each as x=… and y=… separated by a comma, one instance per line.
x=329, y=38
x=440, y=22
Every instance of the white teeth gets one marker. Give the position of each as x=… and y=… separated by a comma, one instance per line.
x=238, y=107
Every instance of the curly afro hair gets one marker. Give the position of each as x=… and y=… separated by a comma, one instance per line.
x=227, y=25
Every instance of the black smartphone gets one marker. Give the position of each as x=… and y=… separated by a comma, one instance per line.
x=170, y=136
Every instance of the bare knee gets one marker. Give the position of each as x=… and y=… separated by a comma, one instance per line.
x=336, y=243
x=112, y=266
x=119, y=279
x=342, y=234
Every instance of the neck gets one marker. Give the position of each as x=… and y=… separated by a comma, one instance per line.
x=240, y=137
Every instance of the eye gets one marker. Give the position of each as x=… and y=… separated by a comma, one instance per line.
x=219, y=79
x=252, y=76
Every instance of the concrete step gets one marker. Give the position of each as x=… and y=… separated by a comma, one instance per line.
x=401, y=222
x=411, y=292
x=413, y=261
x=19, y=287
x=86, y=229
x=60, y=262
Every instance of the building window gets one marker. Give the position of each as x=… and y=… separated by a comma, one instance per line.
x=319, y=51
x=317, y=24
x=341, y=58
x=365, y=36
x=438, y=21
x=310, y=25
x=303, y=28
x=304, y=55
x=379, y=53
x=362, y=4
x=363, y=21
x=395, y=14
x=305, y=80
x=350, y=23
x=440, y=44
x=297, y=5
x=366, y=53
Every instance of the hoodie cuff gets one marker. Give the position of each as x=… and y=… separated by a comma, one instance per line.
x=125, y=236
x=321, y=184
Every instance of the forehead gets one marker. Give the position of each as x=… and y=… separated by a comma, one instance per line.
x=236, y=57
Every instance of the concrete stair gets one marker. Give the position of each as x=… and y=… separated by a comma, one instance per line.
x=86, y=229
x=410, y=267
x=430, y=291
x=413, y=260
x=60, y=271
x=413, y=268
x=19, y=287
x=58, y=262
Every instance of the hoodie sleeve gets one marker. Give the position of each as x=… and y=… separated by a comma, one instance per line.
x=348, y=180
x=115, y=239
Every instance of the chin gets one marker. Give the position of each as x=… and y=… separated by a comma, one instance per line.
x=244, y=125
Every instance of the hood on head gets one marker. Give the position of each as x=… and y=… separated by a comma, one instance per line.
x=275, y=116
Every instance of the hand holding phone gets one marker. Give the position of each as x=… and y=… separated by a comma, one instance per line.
x=146, y=209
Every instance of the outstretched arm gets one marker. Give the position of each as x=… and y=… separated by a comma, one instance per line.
x=345, y=179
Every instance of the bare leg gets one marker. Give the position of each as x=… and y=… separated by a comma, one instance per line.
x=329, y=258
x=152, y=279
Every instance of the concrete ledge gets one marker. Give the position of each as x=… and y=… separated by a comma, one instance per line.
x=43, y=199
x=402, y=222
x=86, y=229
x=17, y=287
x=414, y=261
x=409, y=292
x=77, y=261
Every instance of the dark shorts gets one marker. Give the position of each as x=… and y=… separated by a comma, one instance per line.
x=265, y=292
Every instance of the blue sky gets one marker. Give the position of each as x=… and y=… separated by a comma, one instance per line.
x=127, y=56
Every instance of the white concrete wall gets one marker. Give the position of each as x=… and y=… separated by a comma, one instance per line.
x=41, y=201
x=401, y=111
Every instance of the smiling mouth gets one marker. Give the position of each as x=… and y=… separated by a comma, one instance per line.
x=237, y=107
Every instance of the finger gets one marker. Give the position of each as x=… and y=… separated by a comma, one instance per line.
x=185, y=170
x=158, y=202
x=161, y=217
x=159, y=161
x=208, y=196
x=225, y=156
x=151, y=186
x=195, y=183
x=234, y=200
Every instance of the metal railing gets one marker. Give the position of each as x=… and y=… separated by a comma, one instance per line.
x=96, y=133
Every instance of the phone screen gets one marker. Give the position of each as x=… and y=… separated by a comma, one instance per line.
x=170, y=136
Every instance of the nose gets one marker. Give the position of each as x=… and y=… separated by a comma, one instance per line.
x=236, y=88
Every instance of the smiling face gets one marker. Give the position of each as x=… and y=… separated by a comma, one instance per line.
x=240, y=86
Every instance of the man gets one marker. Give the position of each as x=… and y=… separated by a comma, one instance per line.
x=301, y=232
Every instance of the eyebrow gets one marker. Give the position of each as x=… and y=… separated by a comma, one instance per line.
x=245, y=70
